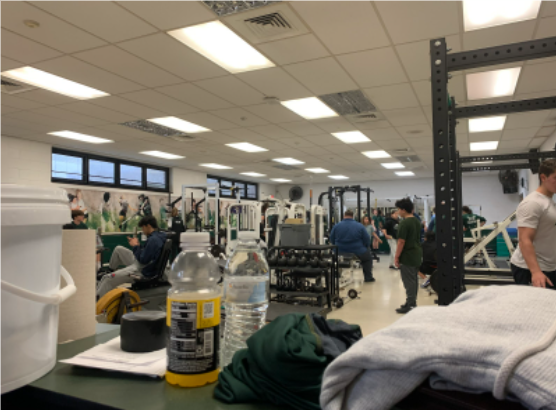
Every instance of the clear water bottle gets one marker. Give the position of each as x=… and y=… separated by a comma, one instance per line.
x=246, y=289
x=194, y=314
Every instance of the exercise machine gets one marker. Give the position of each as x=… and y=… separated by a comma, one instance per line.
x=336, y=202
x=317, y=217
x=243, y=222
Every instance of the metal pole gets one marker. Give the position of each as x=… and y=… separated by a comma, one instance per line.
x=359, y=202
x=457, y=204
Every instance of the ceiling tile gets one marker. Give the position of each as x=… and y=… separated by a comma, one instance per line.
x=497, y=36
x=69, y=116
x=195, y=96
x=548, y=8
x=406, y=116
x=240, y=117
x=52, y=31
x=104, y=19
x=374, y=68
x=275, y=82
x=87, y=108
x=520, y=134
x=76, y=70
x=416, y=57
x=8, y=63
x=322, y=140
x=342, y=149
x=159, y=101
x=217, y=137
x=416, y=131
x=537, y=77
x=208, y=120
x=53, y=123
x=315, y=150
x=24, y=124
x=485, y=136
x=232, y=89
x=372, y=125
x=336, y=124
x=383, y=134
x=322, y=76
x=294, y=49
x=272, y=131
x=546, y=131
x=393, y=144
x=127, y=107
x=270, y=144
x=547, y=28
x=7, y=109
x=421, y=142
x=391, y=97
x=408, y=21
x=24, y=50
x=46, y=97
x=423, y=91
x=297, y=143
x=19, y=103
x=167, y=15
x=302, y=128
x=128, y=66
x=171, y=55
x=456, y=88
x=244, y=135
x=521, y=144
x=526, y=120
x=334, y=22
x=274, y=113
x=537, y=142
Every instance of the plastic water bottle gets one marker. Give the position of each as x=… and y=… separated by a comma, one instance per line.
x=193, y=314
x=246, y=289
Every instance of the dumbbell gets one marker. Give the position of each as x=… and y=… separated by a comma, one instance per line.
x=323, y=263
x=282, y=260
x=302, y=261
x=292, y=260
x=314, y=262
x=273, y=258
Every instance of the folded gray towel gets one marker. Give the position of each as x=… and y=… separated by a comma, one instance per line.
x=463, y=347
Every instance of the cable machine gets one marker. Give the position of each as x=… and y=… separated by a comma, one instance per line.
x=336, y=194
x=447, y=161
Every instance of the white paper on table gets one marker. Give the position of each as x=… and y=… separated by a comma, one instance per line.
x=109, y=356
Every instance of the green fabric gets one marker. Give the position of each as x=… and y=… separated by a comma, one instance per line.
x=410, y=231
x=82, y=225
x=378, y=222
x=283, y=364
x=470, y=222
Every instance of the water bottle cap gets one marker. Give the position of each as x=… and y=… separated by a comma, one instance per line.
x=195, y=238
x=247, y=235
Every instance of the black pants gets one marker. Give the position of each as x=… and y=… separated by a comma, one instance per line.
x=523, y=276
x=367, y=264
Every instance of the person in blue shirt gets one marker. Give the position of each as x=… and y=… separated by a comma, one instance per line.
x=351, y=237
x=141, y=260
x=432, y=223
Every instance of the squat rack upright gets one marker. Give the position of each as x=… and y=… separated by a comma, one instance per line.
x=447, y=161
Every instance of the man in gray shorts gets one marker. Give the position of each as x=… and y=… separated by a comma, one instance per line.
x=534, y=260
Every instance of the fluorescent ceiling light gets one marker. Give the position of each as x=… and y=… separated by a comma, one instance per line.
x=309, y=108
x=247, y=147
x=222, y=46
x=482, y=162
x=51, y=82
x=484, y=146
x=253, y=174
x=351, y=137
x=405, y=174
x=161, y=154
x=179, y=124
x=338, y=177
x=492, y=84
x=80, y=137
x=478, y=14
x=376, y=154
x=393, y=165
x=486, y=124
x=288, y=161
x=280, y=180
x=317, y=170
x=215, y=166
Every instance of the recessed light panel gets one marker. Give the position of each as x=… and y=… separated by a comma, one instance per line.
x=483, y=146
x=247, y=147
x=253, y=174
x=479, y=14
x=309, y=108
x=393, y=165
x=376, y=154
x=215, y=166
x=486, y=124
x=351, y=137
x=51, y=82
x=317, y=170
x=80, y=137
x=338, y=177
x=289, y=161
x=179, y=124
x=222, y=46
x=280, y=180
x=405, y=174
x=482, y=162
x=492, y=84
x=161, y=154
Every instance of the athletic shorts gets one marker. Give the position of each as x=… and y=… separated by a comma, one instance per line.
x=427, y=268
x=523, y=276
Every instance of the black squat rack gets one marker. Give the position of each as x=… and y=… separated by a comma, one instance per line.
x=293, y=276
x=447, y=161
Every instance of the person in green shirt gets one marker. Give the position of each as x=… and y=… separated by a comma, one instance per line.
x=78, y=217
x=470, y=221
x=409, y=253
x=378, y=222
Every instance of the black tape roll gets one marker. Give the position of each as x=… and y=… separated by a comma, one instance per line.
x=143, y=331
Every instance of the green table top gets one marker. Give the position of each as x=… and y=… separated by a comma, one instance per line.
x=125, y=391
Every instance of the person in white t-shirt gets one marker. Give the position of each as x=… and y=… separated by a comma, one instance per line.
x=534, y=260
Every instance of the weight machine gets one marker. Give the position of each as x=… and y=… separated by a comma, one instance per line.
x=335, y=195
x=247, y=222
x=448, y=167
x=317, y=216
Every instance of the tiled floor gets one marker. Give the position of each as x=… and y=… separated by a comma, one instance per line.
x=379, y=300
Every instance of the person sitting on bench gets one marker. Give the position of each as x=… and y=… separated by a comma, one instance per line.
x=140, y=261
x=351, y=237
x=429, y=264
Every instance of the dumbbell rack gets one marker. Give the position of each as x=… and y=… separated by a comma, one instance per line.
x=330, y=273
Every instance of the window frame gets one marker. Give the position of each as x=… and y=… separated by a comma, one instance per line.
x=234, y=182
x=117, y=163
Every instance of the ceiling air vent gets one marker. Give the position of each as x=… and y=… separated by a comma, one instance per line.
x=349, y=103
x=274, y=22
x=152, y=128
x=365, y=117
x=10, y=86
x=408, y=158
x=225, y=8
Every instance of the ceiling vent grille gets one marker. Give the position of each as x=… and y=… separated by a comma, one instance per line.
x=10, y=86
x=408, y=158
x=268, y=25
x=225, y=8
x=349, y=103
x=365, y=117
x=152, y=128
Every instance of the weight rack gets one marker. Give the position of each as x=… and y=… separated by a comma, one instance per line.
x=447, y=161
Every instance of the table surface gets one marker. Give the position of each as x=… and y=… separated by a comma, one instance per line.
x=125, y=391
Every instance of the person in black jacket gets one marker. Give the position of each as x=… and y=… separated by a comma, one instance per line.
x=390, y=231
x=141, y=260
x=429, y=264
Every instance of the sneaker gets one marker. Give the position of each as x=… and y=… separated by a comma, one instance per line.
x=393, y=267
x=405, y=309
x=426, y=283
x=370, y=280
